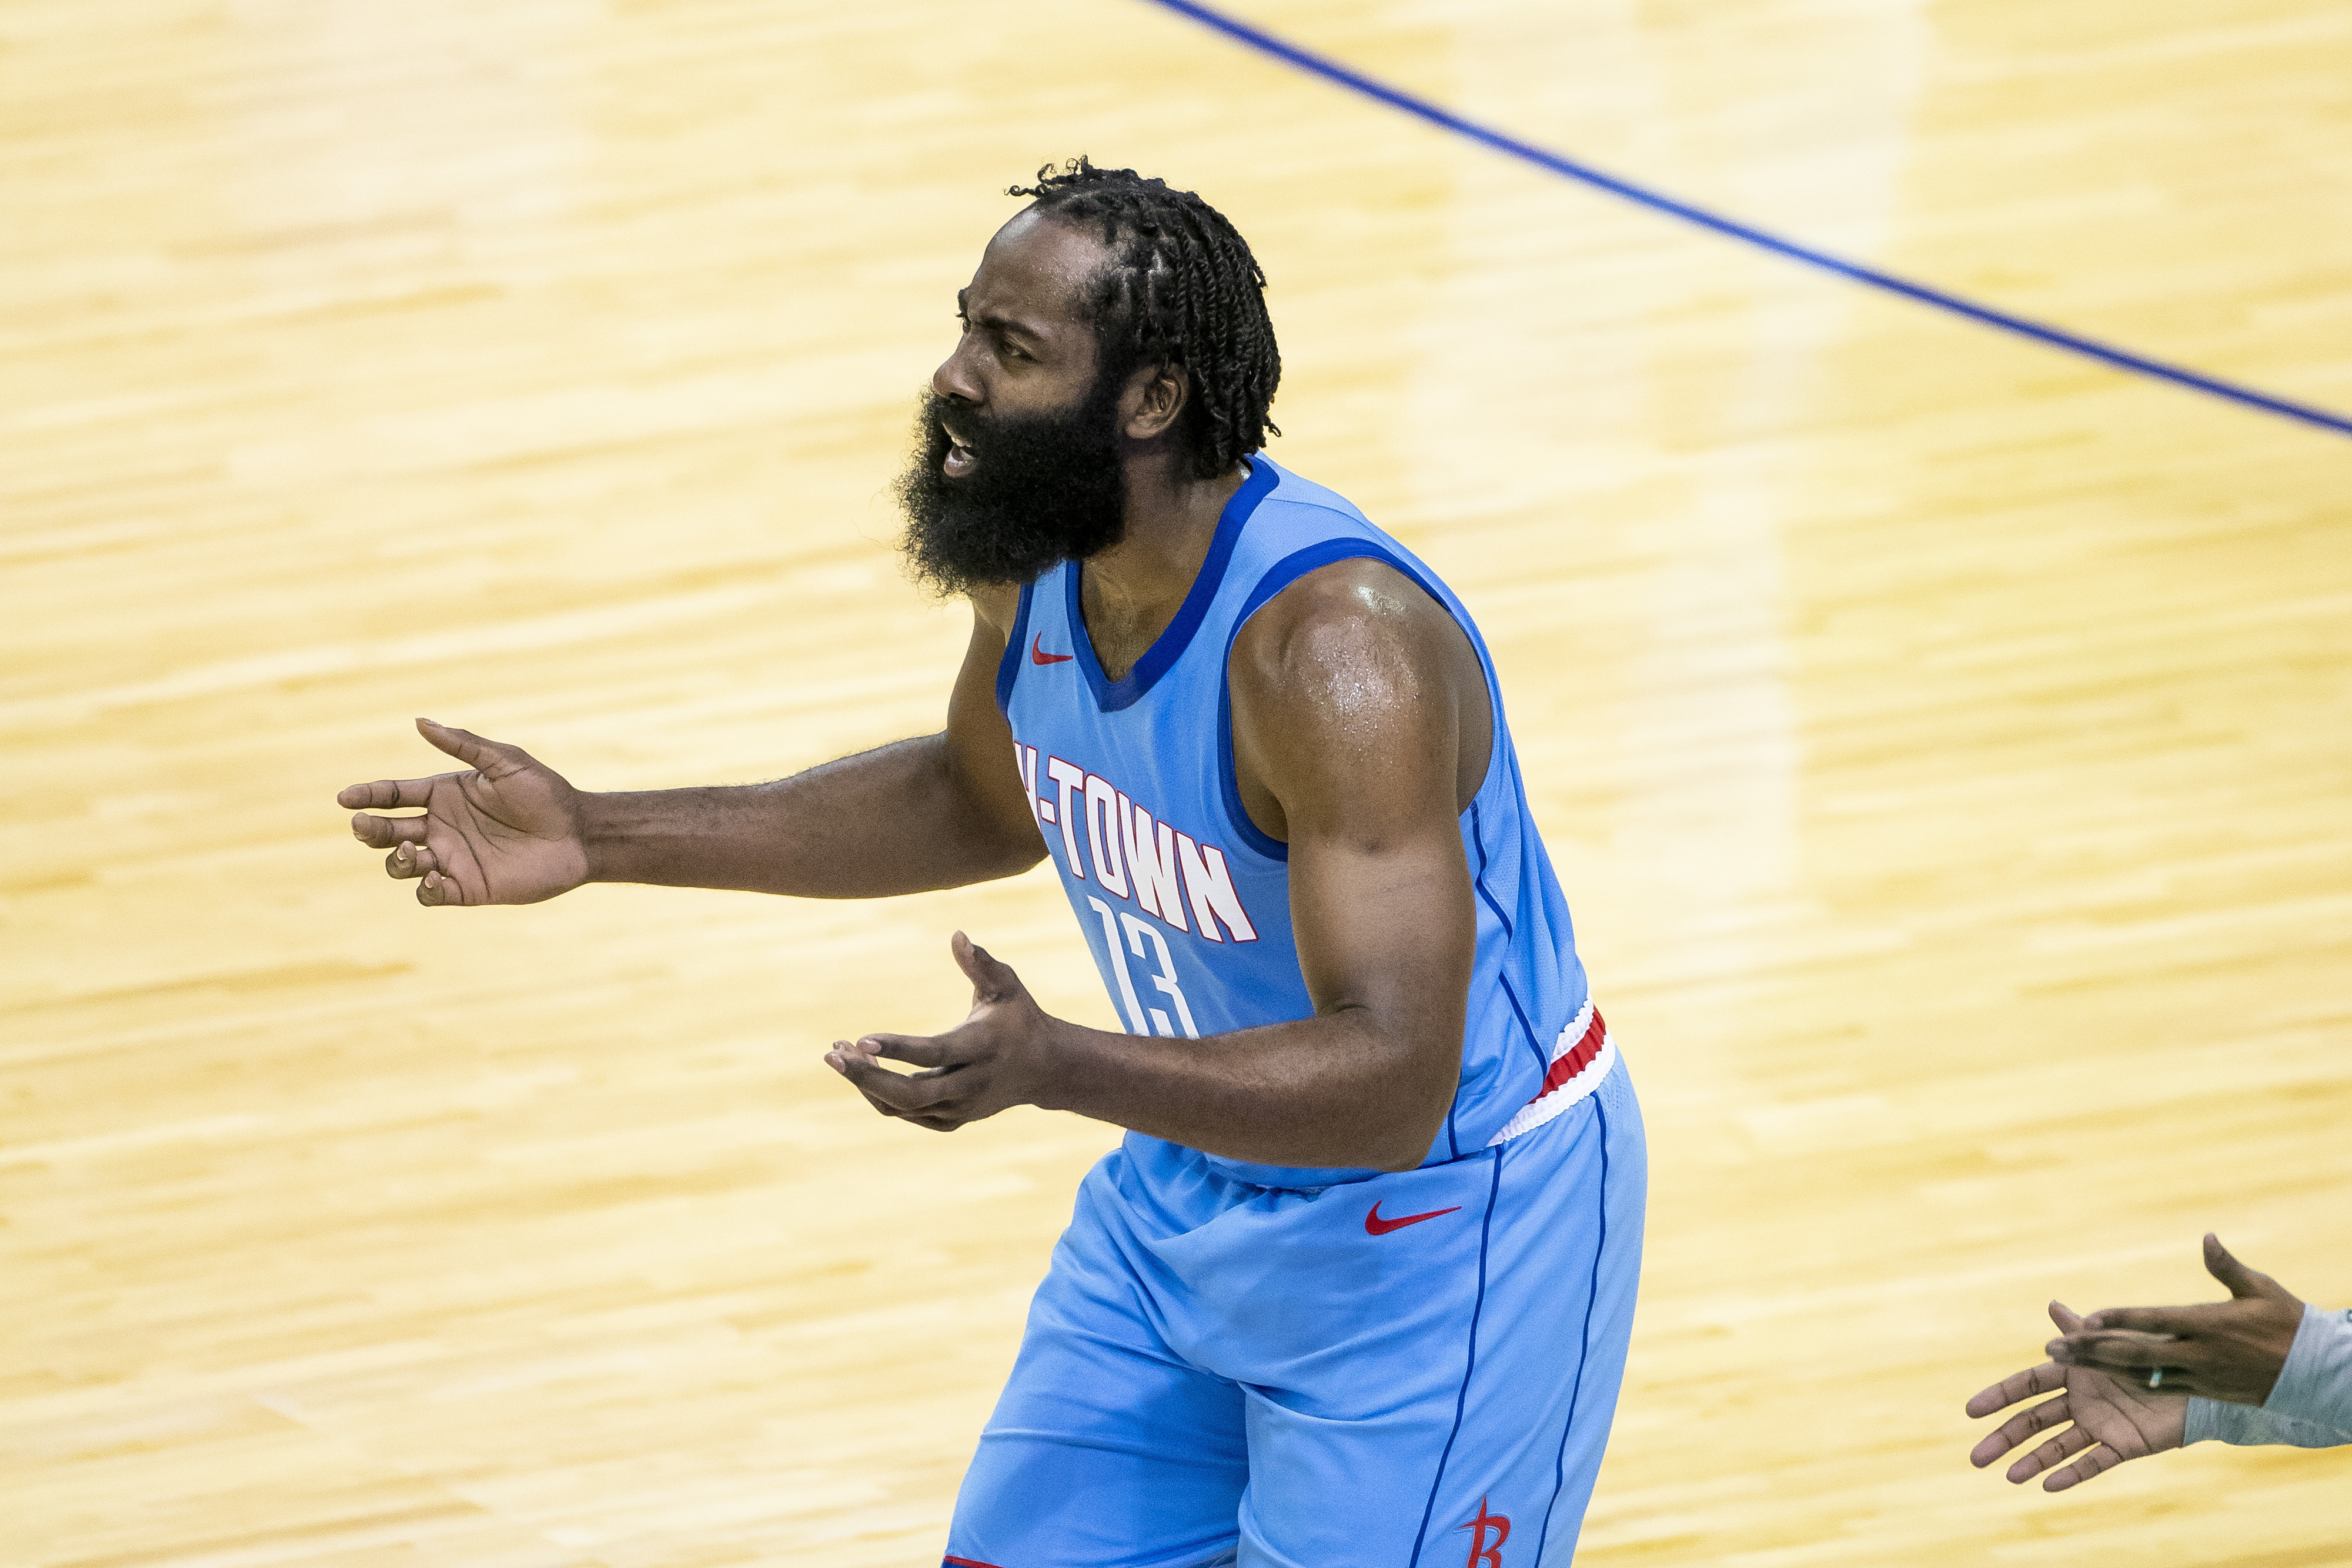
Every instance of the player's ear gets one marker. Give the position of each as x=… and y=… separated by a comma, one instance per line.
x=1156, y=396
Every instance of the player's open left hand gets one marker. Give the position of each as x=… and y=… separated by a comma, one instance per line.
x=989, y=1062
x=508, y=831
x=2108, y=1419
x=2231, y=1350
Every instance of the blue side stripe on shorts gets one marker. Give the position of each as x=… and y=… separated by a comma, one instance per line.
x=1462, y=1400
x=1584, y=1354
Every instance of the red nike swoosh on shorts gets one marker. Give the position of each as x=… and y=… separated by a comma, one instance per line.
x=1038, y=655
x=1375, y=1225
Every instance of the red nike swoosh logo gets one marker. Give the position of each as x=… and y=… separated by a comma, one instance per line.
x=1039, y=656
x=1375, y=1225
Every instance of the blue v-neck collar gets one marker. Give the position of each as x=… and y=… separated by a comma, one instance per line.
x=1160, y=657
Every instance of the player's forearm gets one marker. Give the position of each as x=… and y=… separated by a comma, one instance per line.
x=1345, y=1089
x=894, y=819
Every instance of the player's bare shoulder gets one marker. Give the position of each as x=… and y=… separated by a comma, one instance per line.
x=1355, y=639
x=1356, y=660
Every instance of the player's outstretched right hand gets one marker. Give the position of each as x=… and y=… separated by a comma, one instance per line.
x=2107, y=1419
x=507, y=832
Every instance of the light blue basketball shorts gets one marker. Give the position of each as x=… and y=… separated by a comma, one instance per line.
x=1416, y=1368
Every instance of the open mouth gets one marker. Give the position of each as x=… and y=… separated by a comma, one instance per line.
x=960, y=459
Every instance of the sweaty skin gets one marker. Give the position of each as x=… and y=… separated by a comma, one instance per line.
x=1361, y=729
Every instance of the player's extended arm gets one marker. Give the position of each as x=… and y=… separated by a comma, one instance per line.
x=1353, y=693
x=940, y=811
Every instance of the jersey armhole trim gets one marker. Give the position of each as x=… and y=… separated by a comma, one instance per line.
x=1281, y=575
x=1008, y=668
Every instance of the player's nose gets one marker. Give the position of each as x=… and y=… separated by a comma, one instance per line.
x=954, y=379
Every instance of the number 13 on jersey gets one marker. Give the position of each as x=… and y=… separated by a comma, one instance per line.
x=1129, y=934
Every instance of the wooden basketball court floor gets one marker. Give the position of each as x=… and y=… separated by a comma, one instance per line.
x=1946, y=742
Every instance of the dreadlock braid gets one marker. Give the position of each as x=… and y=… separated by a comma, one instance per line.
x=1183, y=290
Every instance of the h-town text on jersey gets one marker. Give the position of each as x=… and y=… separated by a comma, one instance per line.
x=1129, y=853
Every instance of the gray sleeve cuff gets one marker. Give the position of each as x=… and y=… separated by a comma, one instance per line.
x=2310, y=1406
x=2210, y=1421
x=2315, y=1387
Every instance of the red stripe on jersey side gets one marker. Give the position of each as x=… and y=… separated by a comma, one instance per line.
x=1578, y=1058
x=964, y=1562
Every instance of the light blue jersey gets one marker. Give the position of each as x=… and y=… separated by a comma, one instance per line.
x=1184, y=901
x=1273, y=1367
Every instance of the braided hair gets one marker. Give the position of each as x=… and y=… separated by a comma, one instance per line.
x=1182, y=291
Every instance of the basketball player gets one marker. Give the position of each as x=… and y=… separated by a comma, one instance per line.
x=1355, y=1288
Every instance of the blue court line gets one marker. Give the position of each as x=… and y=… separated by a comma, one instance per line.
x=1511, y=146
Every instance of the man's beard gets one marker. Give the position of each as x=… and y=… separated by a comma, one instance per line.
x=1043, y=489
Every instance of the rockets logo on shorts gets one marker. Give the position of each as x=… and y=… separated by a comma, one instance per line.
x=1185, y=906
x=1487, y=1550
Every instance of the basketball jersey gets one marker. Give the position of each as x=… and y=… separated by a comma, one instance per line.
x=1184, y=901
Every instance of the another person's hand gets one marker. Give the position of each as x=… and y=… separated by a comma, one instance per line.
x=2229, y=1350
x=983, y=1065
x=2108, y=1419
x=507, y=832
